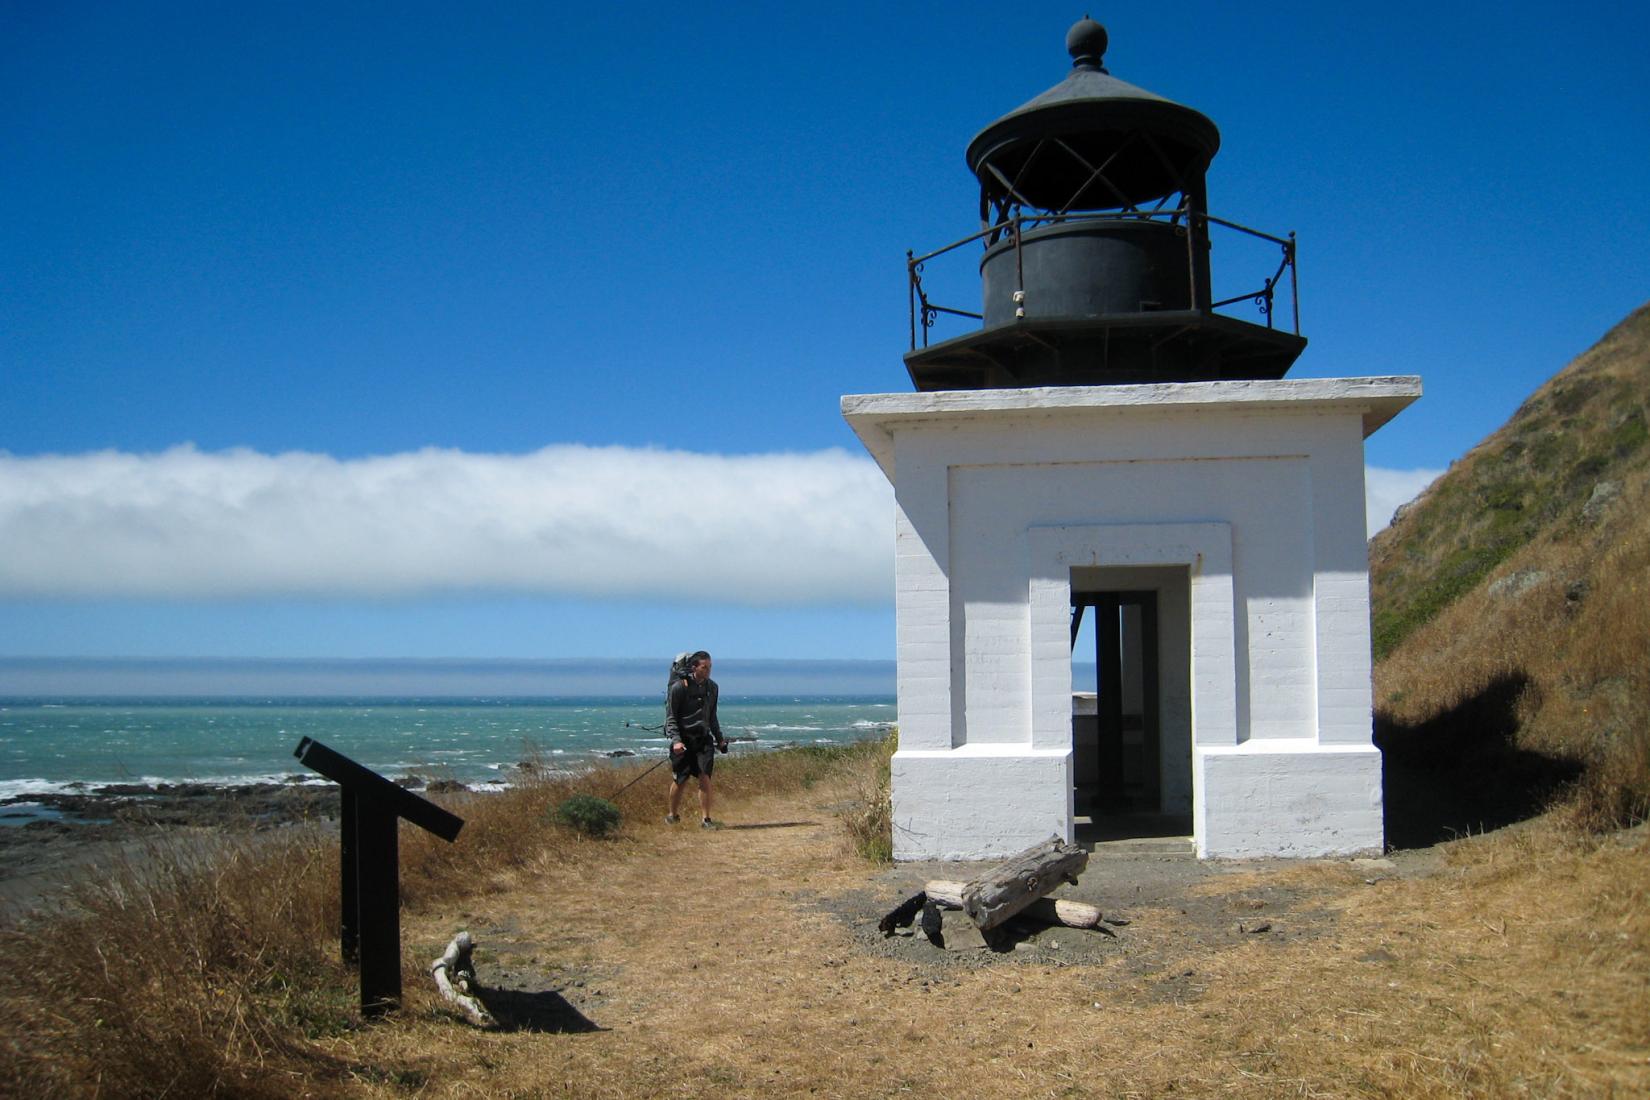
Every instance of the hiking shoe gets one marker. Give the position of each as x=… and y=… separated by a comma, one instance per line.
x=671, y=819
x=707, y=823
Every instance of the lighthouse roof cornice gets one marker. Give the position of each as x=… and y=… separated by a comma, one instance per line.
x=875, y=417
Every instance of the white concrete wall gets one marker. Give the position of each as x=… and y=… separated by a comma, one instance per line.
x=1264, y=501
x=1287, y=798
x=922, y=617
x=1255, y=489
x=979, y=801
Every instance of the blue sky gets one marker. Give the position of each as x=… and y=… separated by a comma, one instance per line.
x=496, y=330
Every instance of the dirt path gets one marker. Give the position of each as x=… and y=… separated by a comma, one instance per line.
x=745, y=962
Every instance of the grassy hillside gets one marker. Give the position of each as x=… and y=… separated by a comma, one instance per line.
x=1511, y=610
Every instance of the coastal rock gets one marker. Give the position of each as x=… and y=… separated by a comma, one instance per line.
x=1516, y=584
x=1604, y=495
x=135, y=805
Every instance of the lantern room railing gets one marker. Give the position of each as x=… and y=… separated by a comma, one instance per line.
x=925, y=312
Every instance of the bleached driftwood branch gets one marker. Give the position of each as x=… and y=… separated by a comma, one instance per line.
x=1072, y=914
x=455, y=976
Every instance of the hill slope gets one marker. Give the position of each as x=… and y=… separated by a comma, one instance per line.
x=1513, y=592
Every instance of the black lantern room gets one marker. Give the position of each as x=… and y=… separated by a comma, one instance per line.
x=1097, y=238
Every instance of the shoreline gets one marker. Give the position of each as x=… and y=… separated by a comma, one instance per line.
x=78, y=801
x=50, y=839
x=73, y=835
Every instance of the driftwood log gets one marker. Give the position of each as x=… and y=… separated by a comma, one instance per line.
x=1072, y=914
x=455, y=977
x=1013, y=885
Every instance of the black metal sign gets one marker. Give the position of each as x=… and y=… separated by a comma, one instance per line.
x=370, y=864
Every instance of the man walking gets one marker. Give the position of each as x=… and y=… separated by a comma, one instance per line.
x=695, y=736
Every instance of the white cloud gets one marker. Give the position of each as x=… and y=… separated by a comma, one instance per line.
x=594, y=521
x=813, y=528
x=1385, y=491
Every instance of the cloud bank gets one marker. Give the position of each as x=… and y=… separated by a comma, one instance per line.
x=811, y=528
x=772, y=529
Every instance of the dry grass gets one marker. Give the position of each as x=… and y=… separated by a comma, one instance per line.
x=722, y=964
x=207, y=965
x=189, y=968
x=1571, y=626
x=1518, y=969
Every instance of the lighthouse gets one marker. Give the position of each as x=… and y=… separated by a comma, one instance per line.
x=1104, y=437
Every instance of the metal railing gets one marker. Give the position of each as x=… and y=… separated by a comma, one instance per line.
x=1265, y=298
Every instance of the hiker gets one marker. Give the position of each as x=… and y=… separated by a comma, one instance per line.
x=695, y=736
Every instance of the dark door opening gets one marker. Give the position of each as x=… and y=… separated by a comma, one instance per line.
x=1117, y=752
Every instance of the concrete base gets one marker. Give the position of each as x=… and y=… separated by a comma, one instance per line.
x=1239, y=503
x=1255, y=800
x=1286, y=798
x=979, y=801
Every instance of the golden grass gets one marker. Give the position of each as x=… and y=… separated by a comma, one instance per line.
x=722, y=964
x=187, y=968
x=1519, y=969
x=1578, y=637
x=204, y=964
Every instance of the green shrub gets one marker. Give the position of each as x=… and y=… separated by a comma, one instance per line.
x=588, y=814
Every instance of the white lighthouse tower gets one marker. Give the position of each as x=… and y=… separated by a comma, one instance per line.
x=1112, y=445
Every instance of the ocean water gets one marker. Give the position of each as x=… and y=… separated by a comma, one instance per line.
x=65, y=744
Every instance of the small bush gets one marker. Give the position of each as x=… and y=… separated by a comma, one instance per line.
x=589, y=814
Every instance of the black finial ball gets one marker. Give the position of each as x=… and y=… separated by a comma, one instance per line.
x=1086, y=40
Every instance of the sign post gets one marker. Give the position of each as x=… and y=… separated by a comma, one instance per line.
x=369, y=867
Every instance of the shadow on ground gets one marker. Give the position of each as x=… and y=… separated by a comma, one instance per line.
x=774, y=825
x=1461, y=772
x=548, y=1011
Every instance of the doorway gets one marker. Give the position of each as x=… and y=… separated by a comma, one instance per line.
x=1116, y=731
x=1131, y=724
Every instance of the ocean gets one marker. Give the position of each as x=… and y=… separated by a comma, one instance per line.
x=67, y=744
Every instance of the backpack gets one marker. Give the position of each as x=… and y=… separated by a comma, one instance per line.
x=678, y=670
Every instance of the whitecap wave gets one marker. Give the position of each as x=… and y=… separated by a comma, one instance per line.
x=15, y=788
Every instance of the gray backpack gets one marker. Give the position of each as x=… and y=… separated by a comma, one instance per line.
x=679, y=669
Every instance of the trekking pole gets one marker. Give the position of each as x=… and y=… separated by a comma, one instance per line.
x=650, y=771
x=637, y=780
